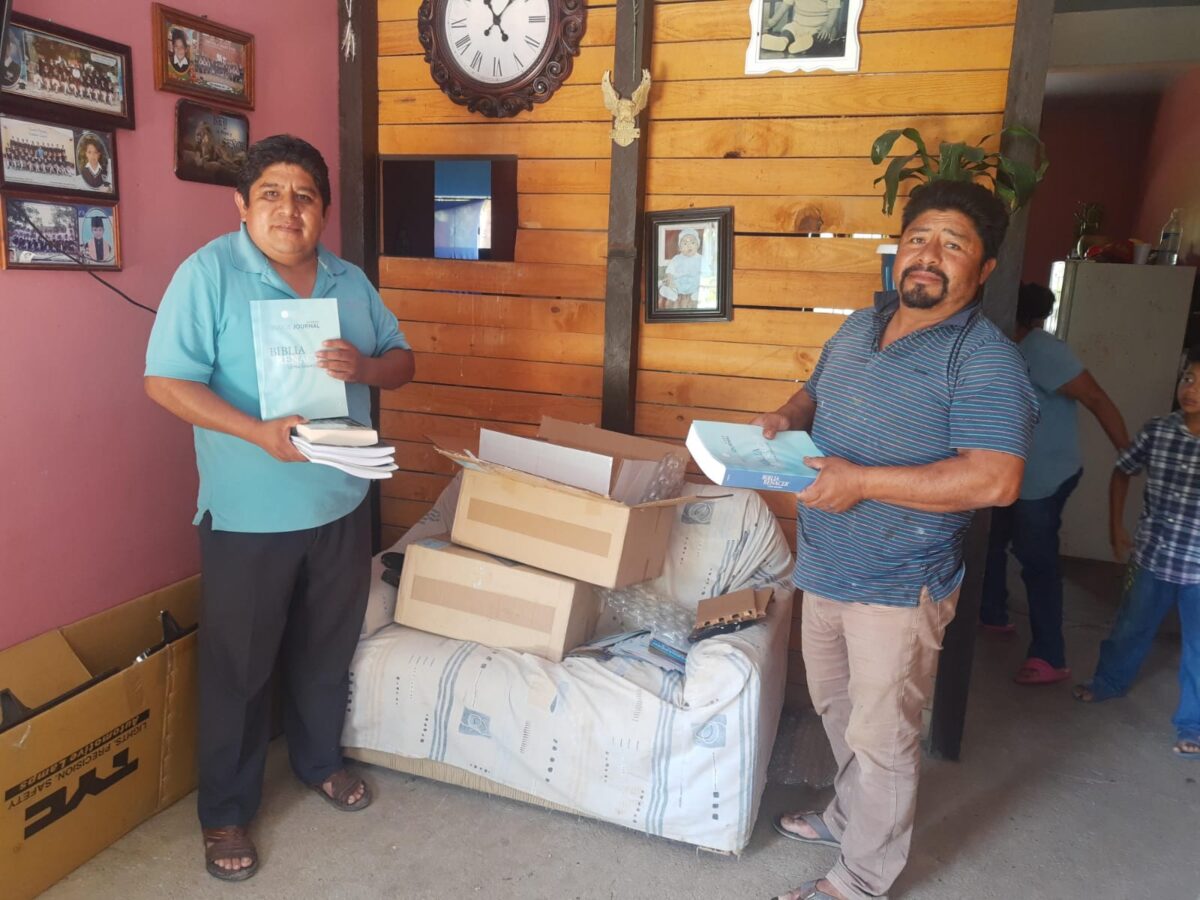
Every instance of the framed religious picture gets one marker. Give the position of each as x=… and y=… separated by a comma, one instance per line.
x=59, y=73
x=60, y=159
x=58, y=233
x=202, y=59
x=689, y=265
x=210, y=144
x=803, y=36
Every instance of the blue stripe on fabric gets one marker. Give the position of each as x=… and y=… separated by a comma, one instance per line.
x=445, y=700
x=745, y=774
x=660, y=757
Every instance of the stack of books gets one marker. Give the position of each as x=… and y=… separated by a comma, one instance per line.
x=347, y=445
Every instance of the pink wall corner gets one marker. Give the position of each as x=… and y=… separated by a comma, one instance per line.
x=1172, y=172
x=1098, y=151
x=98, y=483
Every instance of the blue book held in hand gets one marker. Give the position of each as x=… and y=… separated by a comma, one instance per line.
x=739, y=456
x=287, y=335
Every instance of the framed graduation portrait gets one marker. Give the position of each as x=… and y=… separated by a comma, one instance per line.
x=54, y=233
x=64, y=74
x=60, y=159
x=202, y=59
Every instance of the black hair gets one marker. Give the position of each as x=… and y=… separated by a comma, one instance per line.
x=977, y=203
x=178, y=35
x=284, y=148
x=98, y=221
x=1193, y=355
x=1034, y=302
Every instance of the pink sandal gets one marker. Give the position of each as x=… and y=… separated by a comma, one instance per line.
x=1038, y=671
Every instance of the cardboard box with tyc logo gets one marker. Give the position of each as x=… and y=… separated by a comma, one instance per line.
x=99, y=734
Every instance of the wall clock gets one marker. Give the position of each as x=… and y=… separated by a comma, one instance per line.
x=498, y=57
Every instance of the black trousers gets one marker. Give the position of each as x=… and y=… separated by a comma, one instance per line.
x=295, y=596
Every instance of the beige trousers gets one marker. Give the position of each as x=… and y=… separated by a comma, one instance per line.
x=870, y=672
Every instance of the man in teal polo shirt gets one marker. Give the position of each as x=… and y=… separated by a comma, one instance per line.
x=284, y=544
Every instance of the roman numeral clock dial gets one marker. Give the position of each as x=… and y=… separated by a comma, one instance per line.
x=499, y=57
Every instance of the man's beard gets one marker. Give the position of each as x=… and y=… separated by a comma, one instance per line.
x=918, y=296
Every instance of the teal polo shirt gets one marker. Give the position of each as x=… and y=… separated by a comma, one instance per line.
x=202, y=333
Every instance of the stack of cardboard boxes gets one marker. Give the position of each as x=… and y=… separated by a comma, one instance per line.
x=540, y=522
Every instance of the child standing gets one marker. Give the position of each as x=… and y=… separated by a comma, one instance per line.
x=1164, y=570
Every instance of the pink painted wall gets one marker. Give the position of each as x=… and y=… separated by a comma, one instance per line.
x=1172, y=172
x=1098, y=152
x=97, y=483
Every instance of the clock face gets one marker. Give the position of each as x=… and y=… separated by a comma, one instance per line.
x=495, y=41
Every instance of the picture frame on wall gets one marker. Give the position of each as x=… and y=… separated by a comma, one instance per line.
x=210, y=144
x=59, y=159
x=40, y=232
x=803, y=36
x=48, y=71
x=689, y=265
x=202, y=59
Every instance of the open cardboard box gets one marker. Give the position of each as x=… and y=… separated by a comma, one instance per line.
x=86, y=770
x=543, y=518
x=471, y=596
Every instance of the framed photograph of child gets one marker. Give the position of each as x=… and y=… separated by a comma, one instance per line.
x=59, y=73
x=210, y=144
x=689, y=265
x=60, y=159
x=202, y=59
x=803, y=36
x=58, y=233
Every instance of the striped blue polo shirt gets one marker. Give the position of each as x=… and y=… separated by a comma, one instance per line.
x=960, y=384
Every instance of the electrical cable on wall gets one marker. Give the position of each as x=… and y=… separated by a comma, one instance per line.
x=79, y=261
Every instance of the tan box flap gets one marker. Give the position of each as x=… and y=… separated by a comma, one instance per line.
x=601, y=440
x=113, y=638
x=41, y=668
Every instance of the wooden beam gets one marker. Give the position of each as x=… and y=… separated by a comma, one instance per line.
x=1023, y=106
x=358, y=154
x=627, y=179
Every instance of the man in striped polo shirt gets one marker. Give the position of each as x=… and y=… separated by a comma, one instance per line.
x=926, y=413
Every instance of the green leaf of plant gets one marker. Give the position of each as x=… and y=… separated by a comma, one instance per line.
x=891, y=180
x=919, y=142
x=883, y=145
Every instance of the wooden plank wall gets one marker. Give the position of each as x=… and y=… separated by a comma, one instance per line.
x=502, y=343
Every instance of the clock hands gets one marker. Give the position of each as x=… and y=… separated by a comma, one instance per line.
x=496, y=19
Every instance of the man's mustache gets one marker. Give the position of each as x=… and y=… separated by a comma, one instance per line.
x=933, y=269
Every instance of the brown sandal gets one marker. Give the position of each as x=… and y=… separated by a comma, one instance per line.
x=344, y=785
x=230, y=842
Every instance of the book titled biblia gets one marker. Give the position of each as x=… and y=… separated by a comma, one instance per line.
x=739, y=456
x=287, y=335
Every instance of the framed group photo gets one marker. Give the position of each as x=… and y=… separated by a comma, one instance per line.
x=60, y=73
x=59, y=159
x=202, y=59
x=210, y=144
x=58, y=233
x=803, y=36
x=689, y=265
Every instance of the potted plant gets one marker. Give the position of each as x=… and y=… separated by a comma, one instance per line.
x=1088, y=219
x=1012, y=180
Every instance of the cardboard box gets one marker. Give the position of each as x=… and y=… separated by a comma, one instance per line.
x=541, y=519
x=471, y=596
x=83, y=772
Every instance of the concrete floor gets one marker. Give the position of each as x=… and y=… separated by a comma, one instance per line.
x=1052, y=801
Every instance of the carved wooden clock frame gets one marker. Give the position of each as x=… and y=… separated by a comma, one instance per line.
x=568, y=21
